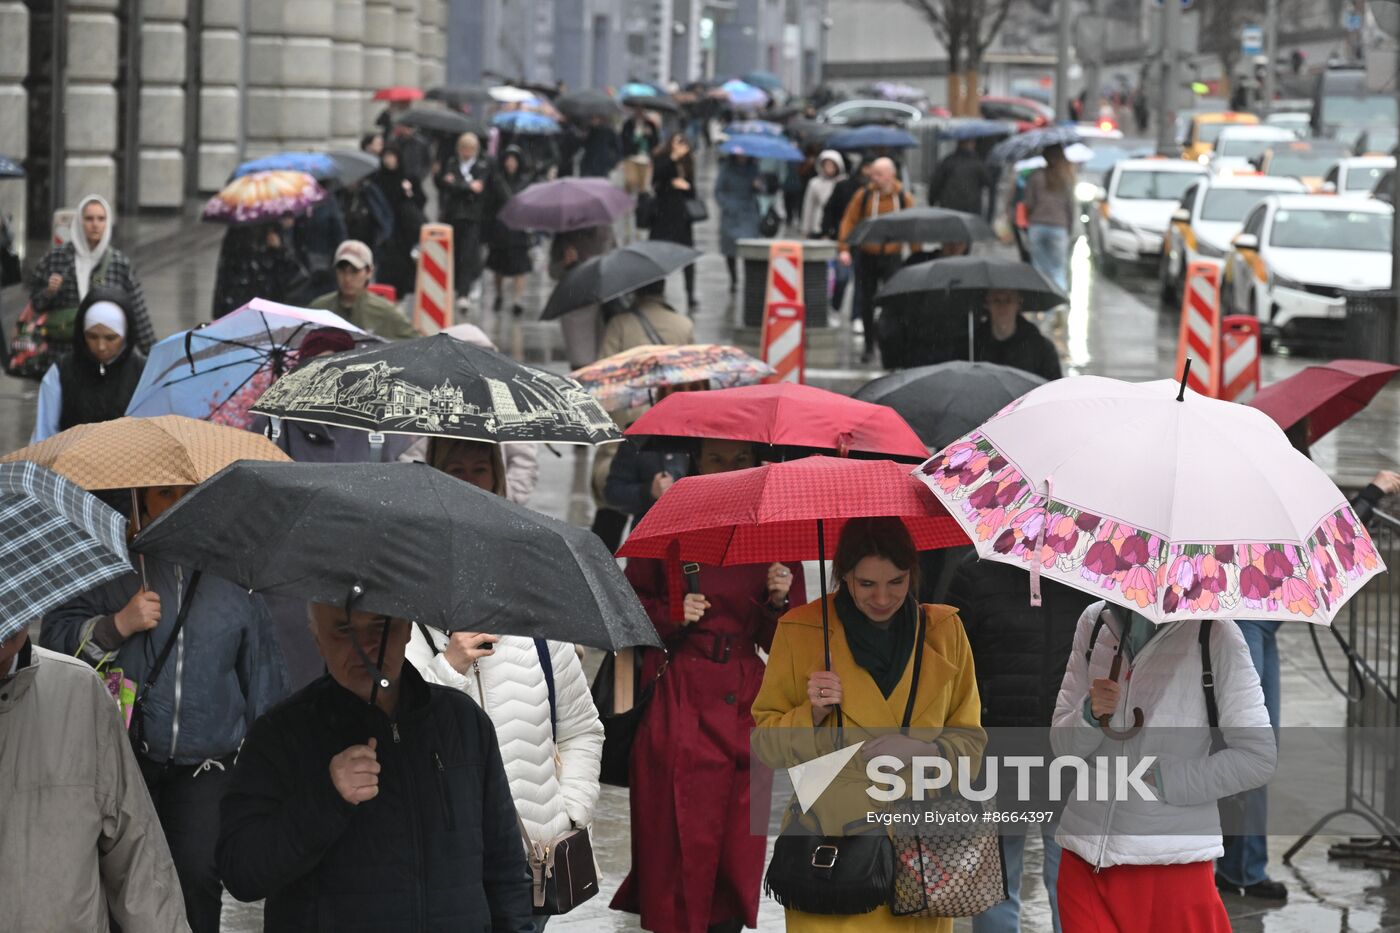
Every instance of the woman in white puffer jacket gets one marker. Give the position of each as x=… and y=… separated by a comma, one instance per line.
x=1148, y=865
x=553, y=769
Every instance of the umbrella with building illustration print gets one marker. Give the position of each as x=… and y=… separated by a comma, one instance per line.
x=439, y=387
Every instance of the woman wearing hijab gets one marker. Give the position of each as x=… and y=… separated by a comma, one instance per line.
x=94, y=381
x=508, y=253
x=60, y=281
x=673, y=179
x=699, y=868
x=393, y=257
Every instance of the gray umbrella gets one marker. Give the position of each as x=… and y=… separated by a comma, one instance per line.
x=447, y=122
x=921, y=225
x=586, y=104
x=944, y=402
x=403, y=540
x=624, y=270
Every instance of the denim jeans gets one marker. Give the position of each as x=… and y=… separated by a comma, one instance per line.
x=1006, y=916
x=1050, y=253
x=1246, y=858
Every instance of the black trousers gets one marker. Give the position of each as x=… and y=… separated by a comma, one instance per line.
x=186, y=799
x=871, y=271
x=466, y=248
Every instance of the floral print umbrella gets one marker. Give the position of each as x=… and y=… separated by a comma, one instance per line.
x=1171, y=504
x=263, y=196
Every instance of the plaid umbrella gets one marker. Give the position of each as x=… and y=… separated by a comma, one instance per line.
x=56, y=542
x=628, y=379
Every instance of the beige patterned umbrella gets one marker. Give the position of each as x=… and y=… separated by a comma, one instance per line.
x=169, y=450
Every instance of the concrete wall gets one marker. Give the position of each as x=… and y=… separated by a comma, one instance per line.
x=90, y=102
x=161, y=179
x=14, y=108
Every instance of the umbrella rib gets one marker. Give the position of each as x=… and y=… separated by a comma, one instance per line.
x=212, y=369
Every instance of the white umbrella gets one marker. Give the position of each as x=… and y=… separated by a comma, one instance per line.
x=506, y=94
x=1171, y=504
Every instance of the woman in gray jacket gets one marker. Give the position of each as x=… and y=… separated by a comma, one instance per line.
x=223, y=670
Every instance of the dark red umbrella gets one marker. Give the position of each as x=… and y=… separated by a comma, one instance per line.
x=795, y=419
x=783, y=512
x=398, y=94
x=1326, y=395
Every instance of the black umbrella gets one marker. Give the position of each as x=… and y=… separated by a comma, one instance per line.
x=585, y=105
x=456, y=95
x=1031, y=143
x=970, y=277
x=922, y=225
x=403, y=540
x=448, y=122
x=944, y=402
x=604, y=278
x=440, y=387
x=811, y=132
x=658, y=102
x=352, y=165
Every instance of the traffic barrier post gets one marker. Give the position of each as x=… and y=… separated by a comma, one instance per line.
x=785, y=314
x=433, y=296
x=1199, y=337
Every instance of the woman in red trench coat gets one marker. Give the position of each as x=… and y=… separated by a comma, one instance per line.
x=696, y=864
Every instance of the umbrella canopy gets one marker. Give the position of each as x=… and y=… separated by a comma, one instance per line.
x=614, y=274
x=10, y=168
x=761, y=147
x=753, y=128
x=351, y=165
x=442, y=387
x=659, y=102
x=743, y=94
x=1032, y=143
x=944, y=402
x=639, y=89
x=444, y=122
x=811, y=131
x=976, y=129
x=922, y=225
x=399, y=94
x=1152, y=497
x=1326, y=395
x=872, y=137
x=345, y=167
x=427, y=547
x=455, y=95
x=629, y=379
x=765, y=80
x=975, y=274
x=585, y=105
x=56, y=542
x=215, y=372
x=794, y=419
x=771, y=513
x=263, y=196
x=131, y=453
x=525, y=123
x=566, y=204
x=509, y=94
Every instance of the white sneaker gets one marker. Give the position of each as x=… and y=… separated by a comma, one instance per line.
x=858, y=327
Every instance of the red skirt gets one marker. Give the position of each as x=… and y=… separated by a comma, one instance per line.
x=1139, y=898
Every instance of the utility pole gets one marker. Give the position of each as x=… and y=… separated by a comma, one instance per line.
x=1062, y=45
x=1091, y=60
x=1166, y=101
x=1271, y=53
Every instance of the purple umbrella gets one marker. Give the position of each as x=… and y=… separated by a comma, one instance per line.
x=566, y=204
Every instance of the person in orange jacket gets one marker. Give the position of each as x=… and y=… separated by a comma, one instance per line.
x=873, y=263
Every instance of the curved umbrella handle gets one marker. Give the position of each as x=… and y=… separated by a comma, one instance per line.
x=1121, y=735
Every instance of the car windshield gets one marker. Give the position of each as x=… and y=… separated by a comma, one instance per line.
x=1231, y=204
x=1210, y=132
x=1244, y=148
x=1302, y=163
x=1360, y=110
x=1364, y=178
x=1359, y=231
x=1104, y=158
x=1139, y=185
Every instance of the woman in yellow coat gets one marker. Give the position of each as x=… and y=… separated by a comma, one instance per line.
x=873, y=621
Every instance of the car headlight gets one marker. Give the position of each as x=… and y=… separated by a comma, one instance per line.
x=1115, y=224
x=1283, y=281
x=1208, y=251
x=1087, y=191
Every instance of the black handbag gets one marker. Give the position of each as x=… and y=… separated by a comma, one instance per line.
x=848, y=874
x=696, y=211
x=619, y=729
x=646, y=210
x=770, y=224
x=562, y=872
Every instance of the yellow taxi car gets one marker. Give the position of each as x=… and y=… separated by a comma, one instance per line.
x=1205, y=127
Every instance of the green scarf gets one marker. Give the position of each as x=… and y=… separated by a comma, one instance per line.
x=883, y=651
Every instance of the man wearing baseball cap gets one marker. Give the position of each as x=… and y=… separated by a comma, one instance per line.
x=352, y=299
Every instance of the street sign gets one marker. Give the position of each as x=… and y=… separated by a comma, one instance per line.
x=1252, y=41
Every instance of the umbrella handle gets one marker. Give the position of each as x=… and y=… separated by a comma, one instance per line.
x=1121, y=735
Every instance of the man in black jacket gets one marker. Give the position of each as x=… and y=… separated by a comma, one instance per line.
x=464, y=187
x=1007, y=338
x=394, y=815
x=1020, y=652
x=960, y=180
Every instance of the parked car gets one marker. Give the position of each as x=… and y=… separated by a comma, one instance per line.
x=870, y=110
x=1027, y=113
x=1209, y=216
x=1136, y=208
x=1296, y=258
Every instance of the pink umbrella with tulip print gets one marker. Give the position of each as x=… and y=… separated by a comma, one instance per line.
x=1170, y=504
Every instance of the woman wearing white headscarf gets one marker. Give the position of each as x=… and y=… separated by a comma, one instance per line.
x=60, y=281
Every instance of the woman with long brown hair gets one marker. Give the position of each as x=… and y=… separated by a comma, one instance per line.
x=1050, y=208
x=673, y=180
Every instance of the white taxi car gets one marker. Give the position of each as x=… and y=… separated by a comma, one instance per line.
x=1136, y=207
x=1239, y=148
x=1357, y=175
x=1297, y=257
x=1210, y=214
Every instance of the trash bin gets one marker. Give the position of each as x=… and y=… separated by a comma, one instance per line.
x=815, y=256
x=1370, y=326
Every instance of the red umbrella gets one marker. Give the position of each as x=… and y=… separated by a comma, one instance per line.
x=801, y=419
x=783, y=511
x=1326, y=395
x=398, y=94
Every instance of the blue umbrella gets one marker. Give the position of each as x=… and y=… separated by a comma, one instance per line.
x=1031, y=143
x=743, y=94
x=316, y=164
x=525, y=123
x=977, y=129
x=765, y=80
x=873, y=137
x=9, y=168
x=753, y=128
x=638, y=89
x=762, y=147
